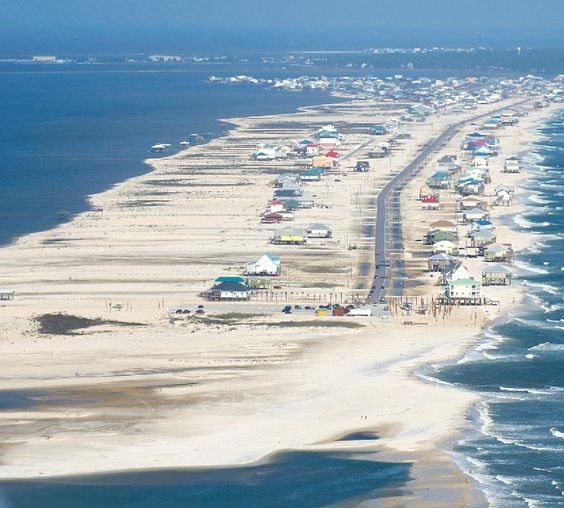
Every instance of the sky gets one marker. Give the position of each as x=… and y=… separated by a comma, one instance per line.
x=185, y=26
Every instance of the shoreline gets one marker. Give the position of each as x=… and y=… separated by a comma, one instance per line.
x=397, y=369
x=470, y=427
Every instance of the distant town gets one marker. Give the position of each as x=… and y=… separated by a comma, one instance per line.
x=537, y=60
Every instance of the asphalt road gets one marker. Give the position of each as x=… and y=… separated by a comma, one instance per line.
x=382, y=273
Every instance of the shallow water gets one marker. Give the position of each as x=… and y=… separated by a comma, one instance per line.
x=70, y=131
x=291, y=479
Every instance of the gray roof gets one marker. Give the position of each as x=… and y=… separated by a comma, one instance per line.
x=496, y=269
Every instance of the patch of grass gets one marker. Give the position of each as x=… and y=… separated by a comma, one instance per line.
x=229, y=318
x=66, y=324
x=314, y=324
x=324, y=269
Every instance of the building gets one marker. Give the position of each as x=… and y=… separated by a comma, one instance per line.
x=7, y=294
x=319, y=231
x=456, y=271
x=426, y=192
x=234, y=291
x=482, y=237
x=440, y=262
x=322, y=161
x=443, y=225
x=470, y=202
x=439, y=235
x=496, y=275
x=445, y=247
x=464, y=292
x=271, y=218
x=379, y=130
x=474, y=214
x=44, y=59
x=430, y=203
x=439, y=180
x=497, y=253
x=286, y=179
x=512, y=165
x=265, y=265
x=290, y=236
x=311, y=175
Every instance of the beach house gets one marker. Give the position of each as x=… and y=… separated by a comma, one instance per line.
x=271, y=218
x=286, y=179
x=378, y=130
x=322, y=161
x=267, y=264
x=446, y=247
x=464, y=292
x=482, y=237
x=509, y=117
x=311, y=175
x=439, y=235
x=7, y=294
x=469, y=202
x=234, y=291
x=503, y=198
x=496, y=275
x=456, y=272
x=474, y=214
x=319, y=231
x=440, y=262
x=290, y=236
x=426, y=192
x=497, y=253
x=512, y=165
x=430, y=203
x=439, y=180
x=443, y=225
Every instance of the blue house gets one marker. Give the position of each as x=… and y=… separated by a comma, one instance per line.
x=379, y=130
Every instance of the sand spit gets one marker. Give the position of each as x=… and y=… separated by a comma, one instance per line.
x=189, y=392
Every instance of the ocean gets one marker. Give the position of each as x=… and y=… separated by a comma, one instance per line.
x=515, y=450
x=69, y=131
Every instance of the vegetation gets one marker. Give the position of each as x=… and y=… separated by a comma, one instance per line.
x=66, y=324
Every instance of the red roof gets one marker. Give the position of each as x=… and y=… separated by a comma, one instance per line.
x=430, y=199
x=332, y=154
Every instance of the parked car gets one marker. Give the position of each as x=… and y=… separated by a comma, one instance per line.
x=287, y=309
x=200, y=311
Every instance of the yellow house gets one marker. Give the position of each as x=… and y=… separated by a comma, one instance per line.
x=322, y=161
x=290, y=236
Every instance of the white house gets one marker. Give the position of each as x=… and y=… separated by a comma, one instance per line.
x=266, y=265
x=446, y=247
x=464, y=290
x=229, y=291
x=474, y=214
x=457, y=272
x=319, y=231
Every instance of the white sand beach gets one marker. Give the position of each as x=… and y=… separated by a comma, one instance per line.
x=142, y=390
